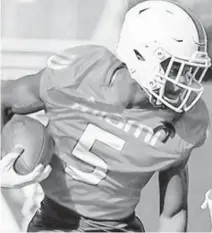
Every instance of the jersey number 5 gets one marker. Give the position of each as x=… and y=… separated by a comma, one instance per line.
x=83, y=153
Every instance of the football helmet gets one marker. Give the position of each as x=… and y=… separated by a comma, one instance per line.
x=165, y=49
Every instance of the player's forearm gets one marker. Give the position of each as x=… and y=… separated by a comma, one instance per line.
x=173, y=199
x=175, y=223
x=21, y=96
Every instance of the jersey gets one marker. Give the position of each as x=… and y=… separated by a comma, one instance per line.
x=104, y=153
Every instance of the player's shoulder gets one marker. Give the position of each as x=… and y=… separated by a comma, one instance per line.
x=193, y=126
x=78, y=64
x=90, y=50
x=88, y=54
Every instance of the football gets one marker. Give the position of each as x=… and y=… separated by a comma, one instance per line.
x=33, y=137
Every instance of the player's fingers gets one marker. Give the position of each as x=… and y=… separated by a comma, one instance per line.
x=39, y=173
x=45, y=173
x=32, y=176
x=17, y=180
x=39, y=168
x=47, y=170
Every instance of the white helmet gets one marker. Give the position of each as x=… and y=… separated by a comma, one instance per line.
x=160, y=43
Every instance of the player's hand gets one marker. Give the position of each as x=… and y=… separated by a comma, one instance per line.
x=11, y=179
x=208, y=202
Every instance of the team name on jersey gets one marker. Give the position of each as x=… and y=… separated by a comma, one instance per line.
x=136, y=128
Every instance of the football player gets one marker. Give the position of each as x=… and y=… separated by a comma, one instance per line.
x=116, y=120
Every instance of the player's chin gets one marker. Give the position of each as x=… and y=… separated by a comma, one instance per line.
x=177, y=100
x=174, y=100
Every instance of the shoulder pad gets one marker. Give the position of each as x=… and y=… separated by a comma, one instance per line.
x=74, y=65
x=87, y=53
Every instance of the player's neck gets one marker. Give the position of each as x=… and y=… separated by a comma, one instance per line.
x=136, y=98
x=130, y=94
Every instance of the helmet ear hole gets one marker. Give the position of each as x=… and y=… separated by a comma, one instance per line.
x=138, y=55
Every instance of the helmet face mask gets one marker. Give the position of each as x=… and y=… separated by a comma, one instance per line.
x=182, y=86
x=166, y=57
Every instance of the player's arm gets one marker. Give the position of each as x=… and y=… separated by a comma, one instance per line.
x=173, y=199
x=21, y=96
